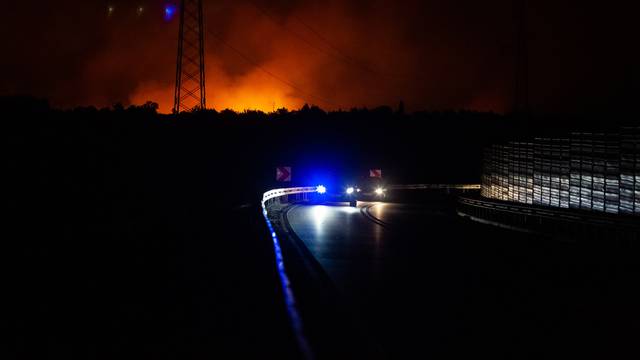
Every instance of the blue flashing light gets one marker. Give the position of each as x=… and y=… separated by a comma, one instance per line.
x=169, y=12
x=321, y=189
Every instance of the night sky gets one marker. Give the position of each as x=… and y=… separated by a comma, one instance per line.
x=430, y=54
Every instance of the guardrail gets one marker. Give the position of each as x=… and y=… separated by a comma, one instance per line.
x=272, y=196
x=549, y=221
x=435, y=187
x=269, y=198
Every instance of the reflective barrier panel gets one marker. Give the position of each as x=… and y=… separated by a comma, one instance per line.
x=589, y=171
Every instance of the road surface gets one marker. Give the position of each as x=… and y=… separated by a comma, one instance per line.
x=423, y=283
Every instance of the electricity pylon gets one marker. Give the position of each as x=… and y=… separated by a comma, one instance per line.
x=190, y=82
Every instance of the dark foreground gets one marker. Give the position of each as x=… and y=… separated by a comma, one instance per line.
x=174, y=283
x=123, y=240
x=129, y=234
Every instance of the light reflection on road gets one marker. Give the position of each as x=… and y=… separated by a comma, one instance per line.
x=349, y=246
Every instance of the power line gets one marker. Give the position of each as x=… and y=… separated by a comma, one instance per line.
x=331, y=46
x=399, y=82
x=268, y=15
x=337, y=53
x=350, y=62
x=271, y=74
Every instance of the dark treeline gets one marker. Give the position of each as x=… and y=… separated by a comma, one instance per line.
x=244, y=148
x=241, y=150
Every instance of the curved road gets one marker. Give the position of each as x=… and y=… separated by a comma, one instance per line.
x=392, y=276
x=356, y=247
x=422, y=282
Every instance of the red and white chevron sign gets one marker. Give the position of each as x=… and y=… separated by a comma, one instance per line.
x=283, y=173
x=375, y=173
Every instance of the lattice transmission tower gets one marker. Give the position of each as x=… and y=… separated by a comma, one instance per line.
x=190, y=91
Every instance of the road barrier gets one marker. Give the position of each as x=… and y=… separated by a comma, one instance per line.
x=268, y=199
x=555, y=222
x=594, y=171
x=291, y=194
x=435, y=187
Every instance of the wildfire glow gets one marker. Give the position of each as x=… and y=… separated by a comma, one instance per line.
x=258, y=62
x=255, y=91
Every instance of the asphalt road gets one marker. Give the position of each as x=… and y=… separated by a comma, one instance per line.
x=420, y=282
x=354, y=250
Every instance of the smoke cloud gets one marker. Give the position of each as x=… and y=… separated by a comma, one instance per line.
x=336, y=54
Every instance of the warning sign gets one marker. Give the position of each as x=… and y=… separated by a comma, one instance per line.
x=283, y=173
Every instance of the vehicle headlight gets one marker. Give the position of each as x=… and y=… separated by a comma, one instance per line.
x=321, y=189
x=380, y=191
x=350, y=190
